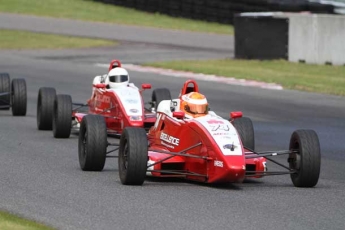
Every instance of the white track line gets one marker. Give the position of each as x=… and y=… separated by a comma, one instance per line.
x=198, y=76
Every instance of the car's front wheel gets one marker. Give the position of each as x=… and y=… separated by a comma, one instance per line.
x=45, y=108
x=5, y=88
x=133, y=155
x=62, y=116
x=159, y=95
x=19, y=97
x=245, y=129
x=92, y=143
x=305, y=158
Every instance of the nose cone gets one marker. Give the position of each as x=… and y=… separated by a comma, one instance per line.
x=231, y=174
x=236, y=173
x=137, y=123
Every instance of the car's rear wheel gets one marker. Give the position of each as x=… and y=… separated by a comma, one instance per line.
x=92, y=143
x=305, y=158
x=62, y=116
x=45, y=108
x=5, y=88
x=133, y=155
x=19, y=97
x=245, y=129
x=159, y=95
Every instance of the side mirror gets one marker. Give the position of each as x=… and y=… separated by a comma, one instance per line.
x=146, y=86
x=236, y=114
x=178, y=114
x=100, y=86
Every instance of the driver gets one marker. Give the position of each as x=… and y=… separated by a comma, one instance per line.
x=194, y=104
x=117, y=77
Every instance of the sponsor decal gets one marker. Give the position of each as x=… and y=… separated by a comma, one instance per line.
x=135, y=118
x=218, y=164
x=133, y=110
x=222, y=127
x=215, y=122
x=169, y=139
x=103, y=98
x=219, y=134
x=132, y=101
x=167, y=145
x=230, y=146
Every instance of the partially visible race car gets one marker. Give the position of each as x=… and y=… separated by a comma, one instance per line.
x=13, y=94
x=113, y=97
x=191, y=142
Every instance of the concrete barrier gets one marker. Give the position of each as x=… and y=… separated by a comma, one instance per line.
x=311, y=38
x=317, y=38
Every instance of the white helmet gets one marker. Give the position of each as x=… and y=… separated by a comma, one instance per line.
x=117, y=77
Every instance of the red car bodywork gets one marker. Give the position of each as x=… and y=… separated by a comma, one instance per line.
x=120, y=107
x=206, y=149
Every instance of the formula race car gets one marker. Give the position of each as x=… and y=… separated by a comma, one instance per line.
x=189, y=141
x=113, y=97
x=13, y=94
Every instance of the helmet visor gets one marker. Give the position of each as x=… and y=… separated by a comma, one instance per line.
x=198, y=109
x=118, y=78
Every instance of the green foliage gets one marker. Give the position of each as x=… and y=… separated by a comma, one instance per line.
x=314, y=78
x=12, y=222
x=96, y=11
x=12, y=39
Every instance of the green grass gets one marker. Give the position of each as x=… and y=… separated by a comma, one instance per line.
x=95, y=11
x=298, y=76
x=11, y=39
x=12, y=222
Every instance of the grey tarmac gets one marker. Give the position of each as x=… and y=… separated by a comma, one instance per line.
x=41, y=178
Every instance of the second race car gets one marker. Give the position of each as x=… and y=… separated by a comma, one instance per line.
x=113, y=97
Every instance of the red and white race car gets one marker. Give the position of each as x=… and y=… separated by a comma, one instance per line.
x=189, y=141
x=113, y=97
x=13, y=94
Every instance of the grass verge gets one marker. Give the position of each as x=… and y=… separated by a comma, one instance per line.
x=95, y=11
x=12, y=222
x=306, y=77
x=12, y=39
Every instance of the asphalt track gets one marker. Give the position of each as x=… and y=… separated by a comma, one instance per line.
x=41, y=178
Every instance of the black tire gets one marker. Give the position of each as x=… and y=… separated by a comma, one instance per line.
x=19, y=97
x=62, y=116
x=45, y=108
x=5, y=88
x=307, y=162
x=92, y=143
x=133, y=155
x=245, y=129
x=159, y=95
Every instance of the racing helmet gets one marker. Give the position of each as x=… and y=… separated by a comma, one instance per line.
x=117, y=77
x=194, y=104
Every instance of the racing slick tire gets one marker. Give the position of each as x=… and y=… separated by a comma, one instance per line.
x=159, y=95
x=307, y=160
x=245, y=129
x=92, y=143
x=45, y=108
x=133, y=155
x=18, y=97
x=5, y=88
x=62, y=116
